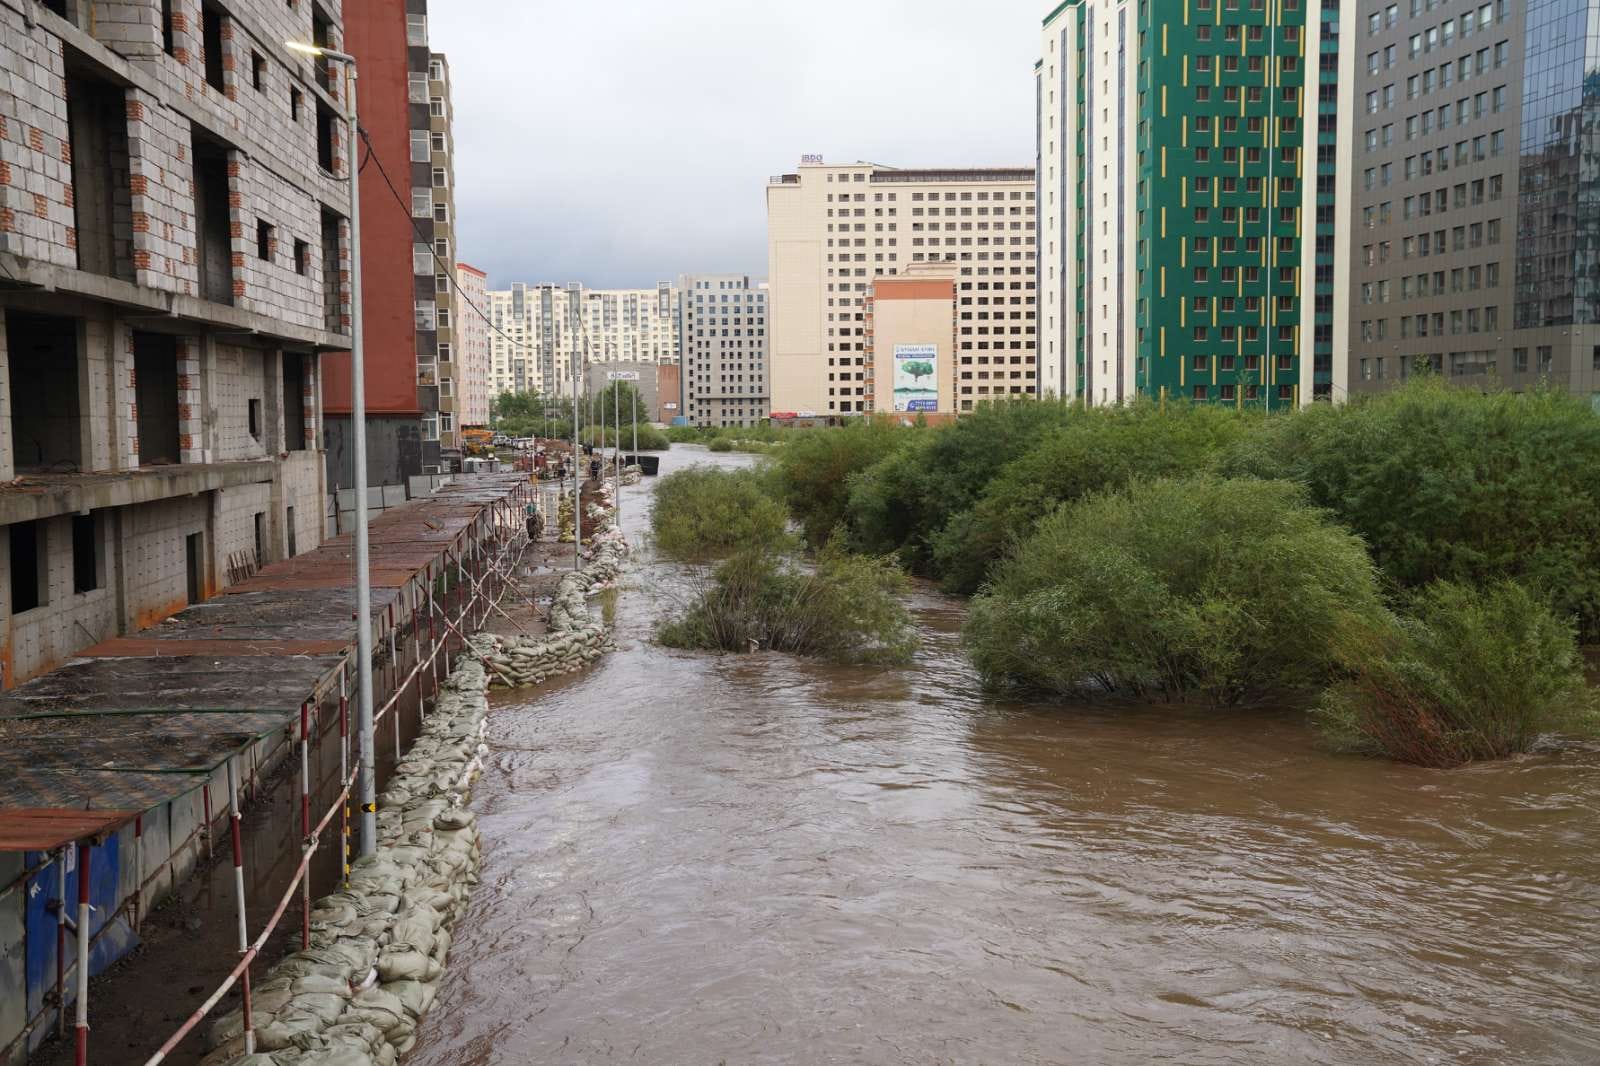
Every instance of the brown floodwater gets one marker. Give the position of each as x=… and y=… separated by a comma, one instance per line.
x=697, y=859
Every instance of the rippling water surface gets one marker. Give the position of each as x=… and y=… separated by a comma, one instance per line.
x=698, y=859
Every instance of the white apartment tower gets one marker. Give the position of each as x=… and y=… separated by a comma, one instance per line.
x=831, y=230
x=544, y=330
x=724, y=345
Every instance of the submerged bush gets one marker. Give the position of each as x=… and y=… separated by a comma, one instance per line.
x=1446, y=483
x=847, y=608
x=703, y=513
x=1203, y=588
x=720, y=444
x=902, y=502
x=1466, y=674
x=1097, y=448
x=815, y=466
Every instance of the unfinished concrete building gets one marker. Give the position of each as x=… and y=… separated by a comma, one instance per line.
x=173, y=257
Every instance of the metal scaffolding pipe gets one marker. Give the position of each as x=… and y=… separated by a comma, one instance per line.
x=234, y=818
x=344, y=777
x=85, y=853
x=305, y=820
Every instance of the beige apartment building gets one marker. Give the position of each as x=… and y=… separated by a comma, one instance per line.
x=833, y=229
x=473, y=395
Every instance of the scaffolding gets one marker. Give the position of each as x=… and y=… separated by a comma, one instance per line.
x=136, y=726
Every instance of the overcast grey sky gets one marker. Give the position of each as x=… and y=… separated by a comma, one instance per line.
x=623, y=142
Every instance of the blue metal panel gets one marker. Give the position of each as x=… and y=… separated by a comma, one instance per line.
x=40, y=923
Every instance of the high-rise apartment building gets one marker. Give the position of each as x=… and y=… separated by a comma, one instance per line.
x=174, y=249
x=831, y=230
x=400, y=286
x=544, y=330
x=472, y=390
x=1188, y=178
x=437, y=264
x=632, y=325
x=1476, y=209
x=723, y=334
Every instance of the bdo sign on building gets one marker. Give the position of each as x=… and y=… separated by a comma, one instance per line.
x=916, y=377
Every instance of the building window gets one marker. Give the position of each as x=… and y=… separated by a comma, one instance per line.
x=419, y=146
x=27, y=576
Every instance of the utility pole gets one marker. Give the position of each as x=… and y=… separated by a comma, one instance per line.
x=616, y=425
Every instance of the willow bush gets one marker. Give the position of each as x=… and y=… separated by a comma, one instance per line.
x=1449, y=484
x=1220, y=591
x=901, y=503
x=1095, y=449
x=703, y=513
x=1466, y=673
x=815, y=467
x=846, y=608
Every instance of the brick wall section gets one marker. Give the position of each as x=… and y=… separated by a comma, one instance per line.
x=276, y=286
x=8, y=468
x=156, y=571
x=275, y=175
x=191, y=421
x=36, y=216
x=238, y=376
x=48, y=635
x=161, y=180
x=310, y=432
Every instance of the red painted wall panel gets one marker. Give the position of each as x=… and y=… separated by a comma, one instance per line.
x=375, y=33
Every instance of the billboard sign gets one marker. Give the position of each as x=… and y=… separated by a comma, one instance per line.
x=916, y=377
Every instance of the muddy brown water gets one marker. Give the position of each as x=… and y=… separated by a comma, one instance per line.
x=698, y=859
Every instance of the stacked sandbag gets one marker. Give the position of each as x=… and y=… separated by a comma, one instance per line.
x=631, y=474
x=378, y=946
x=564, y=519
x=575, y=639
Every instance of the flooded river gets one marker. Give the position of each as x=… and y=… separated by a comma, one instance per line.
x=701, y=859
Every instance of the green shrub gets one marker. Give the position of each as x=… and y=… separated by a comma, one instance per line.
x=650, y=438
x=1096, y=449
x=847, y=608
x=720, y=444
x=1218, y=590
x=902, y=502
x=1444, y=483
x=1467, y=674
x=815, y=465
x=702, y=513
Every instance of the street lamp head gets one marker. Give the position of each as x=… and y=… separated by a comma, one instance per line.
x=319, y=52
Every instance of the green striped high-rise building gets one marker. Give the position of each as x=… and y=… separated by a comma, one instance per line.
x=1188, y=238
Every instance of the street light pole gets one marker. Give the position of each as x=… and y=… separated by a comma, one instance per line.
x=358, y=427
x=577, y=478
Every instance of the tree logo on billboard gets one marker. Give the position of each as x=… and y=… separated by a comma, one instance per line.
x=916, y=377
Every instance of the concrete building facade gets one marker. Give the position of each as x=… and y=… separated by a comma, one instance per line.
x=173, y=262
x=832, y=229
x=1476, y=206
x=1189, y=161
x=723, y=331
x=472, y=360
x=402, y=311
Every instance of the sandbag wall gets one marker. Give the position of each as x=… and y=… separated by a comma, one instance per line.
x=378, y=947
x=575, y=639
